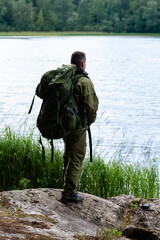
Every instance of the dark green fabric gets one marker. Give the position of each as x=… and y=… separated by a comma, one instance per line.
x=75, y=150
x=87, y=100
x=59, y=114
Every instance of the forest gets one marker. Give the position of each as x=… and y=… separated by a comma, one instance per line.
x=117, y=16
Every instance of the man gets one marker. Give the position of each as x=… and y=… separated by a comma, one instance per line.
x=75, y=142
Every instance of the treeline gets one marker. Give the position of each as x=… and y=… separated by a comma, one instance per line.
x=137, y=16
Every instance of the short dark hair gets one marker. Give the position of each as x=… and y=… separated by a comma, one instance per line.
x=77, y=57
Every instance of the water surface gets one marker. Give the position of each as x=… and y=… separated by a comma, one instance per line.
x=125, y=72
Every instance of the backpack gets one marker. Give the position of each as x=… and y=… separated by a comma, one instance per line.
x=59, y=113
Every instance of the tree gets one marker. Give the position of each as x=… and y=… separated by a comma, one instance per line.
x=21, y=15
x=44, y=4
x=125, y=21
x=50, y=21
x=83, y=13
x=46, y=14
x=116, y=23
x=8, y=17
x=76, y=3
x=97, y=11
x=73, y=21
x=40, y=20
x=3, y=11
x=112, y=7
x=63, y=10
x=31, y=14
x=152, y=16
x=134, y=17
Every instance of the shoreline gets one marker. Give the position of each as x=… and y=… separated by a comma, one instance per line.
x=50, y=34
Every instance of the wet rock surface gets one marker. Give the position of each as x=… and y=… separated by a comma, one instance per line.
x=38, y=214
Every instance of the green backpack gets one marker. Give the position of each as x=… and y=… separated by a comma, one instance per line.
x=59, y=113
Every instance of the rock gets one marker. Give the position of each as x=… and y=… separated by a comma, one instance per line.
x=146, y=222
x=38, y=214
x=139, y=233
x=123, y=200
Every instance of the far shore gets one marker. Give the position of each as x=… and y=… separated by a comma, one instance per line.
x=48, y=34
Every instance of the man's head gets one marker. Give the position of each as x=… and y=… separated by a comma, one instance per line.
x=79, y=59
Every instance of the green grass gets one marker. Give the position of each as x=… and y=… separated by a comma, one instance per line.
x=117, y=177
x=74, y=33
x=22, y=166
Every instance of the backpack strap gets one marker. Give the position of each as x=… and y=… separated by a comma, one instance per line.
x=52, y=150
x=90, y=142
x=30, y=109
x=43, y=150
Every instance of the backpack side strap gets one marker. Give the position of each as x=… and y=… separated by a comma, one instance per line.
x=30, y=109
x=43, y=150
x=90, y=142
x=52, y=150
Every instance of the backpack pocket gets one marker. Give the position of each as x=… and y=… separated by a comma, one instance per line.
x=69, y=117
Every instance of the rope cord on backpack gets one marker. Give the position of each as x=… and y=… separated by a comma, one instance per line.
x=30, y=109
x=52, y=150
x=90, y=143
x=43, y=150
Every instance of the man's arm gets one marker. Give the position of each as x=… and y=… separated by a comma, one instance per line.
x=89, y=98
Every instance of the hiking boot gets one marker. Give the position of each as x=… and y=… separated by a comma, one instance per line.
x=73, y=197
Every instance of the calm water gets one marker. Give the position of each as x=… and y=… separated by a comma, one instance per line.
x=126, y=75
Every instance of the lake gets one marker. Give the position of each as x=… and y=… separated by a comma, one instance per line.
x=126, y=75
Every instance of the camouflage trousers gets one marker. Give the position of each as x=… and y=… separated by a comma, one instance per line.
x=73, y=158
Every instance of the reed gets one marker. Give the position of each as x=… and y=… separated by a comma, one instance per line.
x=22, y=166
x=117, y=177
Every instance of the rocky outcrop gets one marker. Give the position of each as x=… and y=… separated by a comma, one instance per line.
x=140, y=223
x=38, y=214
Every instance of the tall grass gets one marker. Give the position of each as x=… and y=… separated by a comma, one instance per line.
x=21, y=158
x=22, y=166
x=117, y=177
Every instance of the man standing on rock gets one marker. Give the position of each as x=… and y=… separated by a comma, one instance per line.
x=75, y=142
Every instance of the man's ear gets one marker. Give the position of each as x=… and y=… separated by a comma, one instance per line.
x=83, y=65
